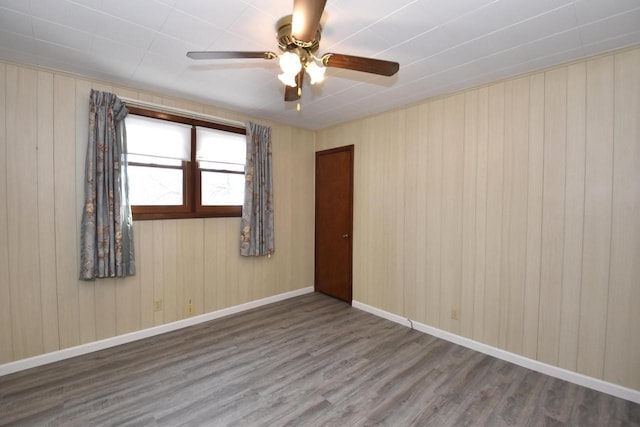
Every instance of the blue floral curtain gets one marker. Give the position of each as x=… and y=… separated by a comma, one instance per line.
x=106, y=234
x=257, y=235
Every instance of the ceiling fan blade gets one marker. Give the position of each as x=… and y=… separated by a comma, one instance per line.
x=358, y=63
x=230, y=55
x=293, y=93
x=306, y=18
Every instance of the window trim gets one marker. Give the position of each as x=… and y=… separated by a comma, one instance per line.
x=192, y=176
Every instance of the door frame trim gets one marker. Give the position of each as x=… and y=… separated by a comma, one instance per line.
x=351, y=150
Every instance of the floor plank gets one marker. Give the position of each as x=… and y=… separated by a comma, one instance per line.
x=307, y=361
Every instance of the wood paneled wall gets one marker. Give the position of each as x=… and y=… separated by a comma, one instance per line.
x=517, y=206
x=43, y=306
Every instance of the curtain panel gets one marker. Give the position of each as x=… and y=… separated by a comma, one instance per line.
x=106, y=233
x=257, y=225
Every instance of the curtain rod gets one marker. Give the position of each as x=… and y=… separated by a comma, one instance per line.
x=180, y=111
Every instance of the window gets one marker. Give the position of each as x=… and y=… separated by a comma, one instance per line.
x=181, y=167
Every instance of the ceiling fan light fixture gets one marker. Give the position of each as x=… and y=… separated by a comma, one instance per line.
x=290, y=63
x=315, y=71
x=288, y=79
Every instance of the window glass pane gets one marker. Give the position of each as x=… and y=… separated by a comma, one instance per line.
x=222, y=166
x=150, y=186
x=222, y=189
x=135, y=158
x=220, y=146
x=158, y=138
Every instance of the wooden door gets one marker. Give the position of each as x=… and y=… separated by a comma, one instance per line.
x=334, y=222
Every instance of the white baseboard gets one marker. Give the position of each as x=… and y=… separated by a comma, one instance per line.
x=66, y=353
x=553, y=371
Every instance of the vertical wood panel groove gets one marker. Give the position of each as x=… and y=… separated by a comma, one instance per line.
x=599, y=155
x=481, y=218
x=495, y=183
x=468, y=254
x=433, y=215
x=505, y=203
x=46, y=212
x=574, y=216
x=6, y=310
x=552, y=215
x=611, y=224
x=534, y=214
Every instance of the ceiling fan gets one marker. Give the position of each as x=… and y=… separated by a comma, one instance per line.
x=298, y=38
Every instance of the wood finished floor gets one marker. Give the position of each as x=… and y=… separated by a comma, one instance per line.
x=307, y=361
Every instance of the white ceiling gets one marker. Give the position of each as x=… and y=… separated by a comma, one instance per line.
x=441, y=45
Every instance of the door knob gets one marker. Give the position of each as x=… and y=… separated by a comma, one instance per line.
x=345, y=236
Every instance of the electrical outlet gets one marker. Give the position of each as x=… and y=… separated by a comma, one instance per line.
x=157, y=305
x=455, y=314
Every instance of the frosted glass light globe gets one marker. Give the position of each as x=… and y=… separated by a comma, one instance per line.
x=290, y=63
